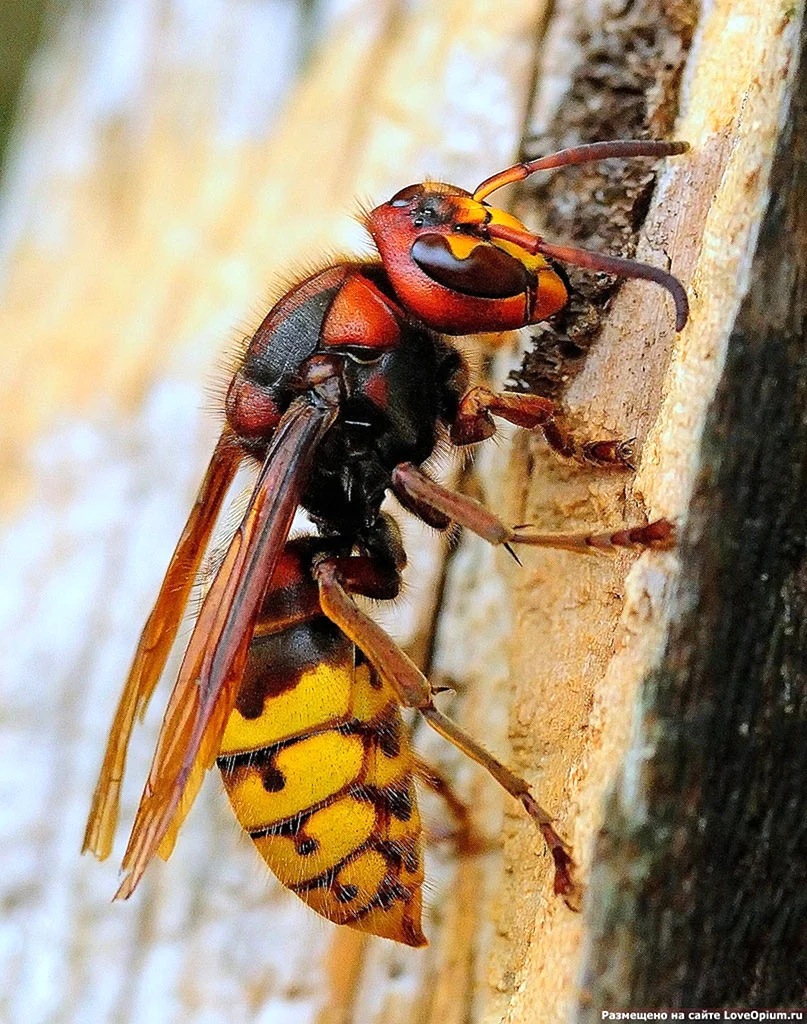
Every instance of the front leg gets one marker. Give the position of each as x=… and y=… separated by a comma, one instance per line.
x=413, y=690
x=474, y=422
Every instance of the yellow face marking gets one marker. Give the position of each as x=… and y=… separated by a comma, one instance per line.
x=534, y=263
x=507, y=220
x=468, y=211
x=322, y=695
x=311, y=770
x=338, y=830
x=462, y=246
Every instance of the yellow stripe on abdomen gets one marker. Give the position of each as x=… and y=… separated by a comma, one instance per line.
x=321, y=695
x=331, y=834
x=317, y=765
x=354, y=887
x=297, y=778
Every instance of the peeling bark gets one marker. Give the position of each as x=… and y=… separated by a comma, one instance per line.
x=625, y=84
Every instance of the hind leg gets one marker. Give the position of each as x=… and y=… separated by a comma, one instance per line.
x=463, y=836
x=413, y=690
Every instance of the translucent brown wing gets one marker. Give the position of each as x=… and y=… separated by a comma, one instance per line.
x=156, y=641
x=207, y=686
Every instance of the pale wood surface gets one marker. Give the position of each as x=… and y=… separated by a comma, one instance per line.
x=701, y=875
x=172, y=165
x=583, y=649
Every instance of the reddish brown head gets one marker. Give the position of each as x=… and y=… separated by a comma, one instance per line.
x=450, y=272
x=464, y=267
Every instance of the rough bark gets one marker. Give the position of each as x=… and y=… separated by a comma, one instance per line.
x=702, y=894
x=587, y=638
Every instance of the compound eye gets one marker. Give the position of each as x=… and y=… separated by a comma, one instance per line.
x=406, y=195
x=485, y=271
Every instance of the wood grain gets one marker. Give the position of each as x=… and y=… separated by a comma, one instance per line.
x=587, y=635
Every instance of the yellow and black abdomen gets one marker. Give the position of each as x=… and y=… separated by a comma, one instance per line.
x=319, y=771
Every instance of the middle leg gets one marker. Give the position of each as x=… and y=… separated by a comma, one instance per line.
x=424, y=497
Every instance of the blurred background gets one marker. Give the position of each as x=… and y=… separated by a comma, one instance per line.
x=168, y=166
x=20, y=28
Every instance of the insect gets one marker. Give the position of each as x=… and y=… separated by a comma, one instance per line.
x=342, y=395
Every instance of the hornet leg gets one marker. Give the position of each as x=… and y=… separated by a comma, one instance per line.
x=463, y=836
x=414, y=691
x=420, y=494
x=474, y=422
